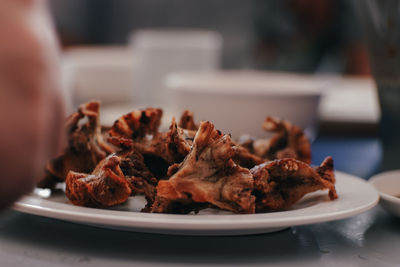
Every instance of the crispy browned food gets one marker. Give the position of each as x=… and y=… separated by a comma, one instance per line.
x=207, y=176
x=187, y=121
x=140, y=186
x=326, y=170
x=245, y=158
x=281, y=183
x=105, y=186
x=289, y=141
x=188, y=125
x=171, y=146
x=205, y=168
x=132, y=165
x=141, y=180
x=159, y=149
x=115, y=178
x=178, y=142
x=134, y=126
x=86, y=146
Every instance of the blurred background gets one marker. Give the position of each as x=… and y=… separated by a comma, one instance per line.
x=123, y=51
x=290, y=35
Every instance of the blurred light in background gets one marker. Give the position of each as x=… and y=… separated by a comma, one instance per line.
x=290, y=35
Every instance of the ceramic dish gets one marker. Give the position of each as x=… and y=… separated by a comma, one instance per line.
x=355, y=196
x=229, y=97
x=388, y=186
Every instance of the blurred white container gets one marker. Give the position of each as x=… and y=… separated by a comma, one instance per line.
x=237, y=102
x=159, y=52
x=388, y=185
x=104, y=73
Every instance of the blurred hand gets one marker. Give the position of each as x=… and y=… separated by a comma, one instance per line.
x=31, y=107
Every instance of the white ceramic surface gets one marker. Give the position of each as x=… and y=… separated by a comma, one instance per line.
x=229, y=97
x=159, y=52
x=355, y=196
x=388, y=186
x=349, y=99
x=99, y=72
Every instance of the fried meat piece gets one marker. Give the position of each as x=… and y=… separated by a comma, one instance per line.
x=163, y=149
x=172, y=146
x=289, y=141
x=245, y=158
x=115, y=178
x=134, y=126
x=189, y=127
x=132, y=165
x=244, y=154
x=187, y=121
x=281, y=183
x=179, y=143
x=207, y=176
x=141, y=180
x=140, y=186
x=105, y=187
x=86, y=146
x=326, y=170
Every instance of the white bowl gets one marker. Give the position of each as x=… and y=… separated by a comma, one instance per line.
x=99, y=72
x=237, y=102
x=388, y=186
x=159, y=52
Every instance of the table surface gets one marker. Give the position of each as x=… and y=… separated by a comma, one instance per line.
x=368, y=239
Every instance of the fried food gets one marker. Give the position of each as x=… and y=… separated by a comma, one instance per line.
x=326, y=170
x=141, y=180
x=86, y=146
x=186, y=168
x=105, y=187
x=189, y=127
x=207, y=176
x=281, y=183
x=187, y=121
x=245, y=158
x=164, y=148
x=132, y=165
x=115, y=178
x=289, y=141
x=134, y=126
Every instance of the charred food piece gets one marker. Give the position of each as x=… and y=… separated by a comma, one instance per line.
x=105, y=187
x=115, y=178
x=289, y=141
x=160, y=149
x=187, y=121
x=86, y=146
x=207, y=177
x=134, y=126
x=281, y=183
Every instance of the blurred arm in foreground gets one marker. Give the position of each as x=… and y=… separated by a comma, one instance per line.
x=31, y=107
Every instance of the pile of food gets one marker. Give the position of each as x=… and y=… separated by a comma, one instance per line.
x=187, y=168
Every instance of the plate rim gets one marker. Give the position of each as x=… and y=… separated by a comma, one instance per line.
x=173, y=222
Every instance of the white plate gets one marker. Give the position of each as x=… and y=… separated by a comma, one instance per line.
x=388, y=185
x=355, y=196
